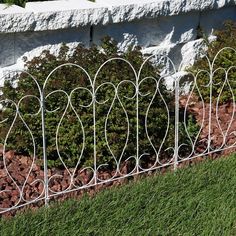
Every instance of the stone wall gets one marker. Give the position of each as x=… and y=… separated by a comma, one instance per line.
x=158, y=26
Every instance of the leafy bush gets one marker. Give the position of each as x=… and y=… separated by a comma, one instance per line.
x=226, y=59
x=20, y=2
x=77, y=118
x=23, y=2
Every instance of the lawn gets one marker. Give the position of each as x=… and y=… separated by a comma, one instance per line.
x=199, y=200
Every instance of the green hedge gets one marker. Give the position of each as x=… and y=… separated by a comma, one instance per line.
x=226, y=59
x=19, y=2
x=23, y=2
x=70, y=131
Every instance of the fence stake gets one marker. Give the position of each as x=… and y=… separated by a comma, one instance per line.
x=176, y=123
x=45, y=167
x=137, y=125
x=210, y=110
x=94, y=137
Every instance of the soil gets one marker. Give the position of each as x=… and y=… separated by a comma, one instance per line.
x=222, y=130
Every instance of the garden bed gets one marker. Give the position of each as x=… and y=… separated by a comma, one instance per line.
x=19, y=165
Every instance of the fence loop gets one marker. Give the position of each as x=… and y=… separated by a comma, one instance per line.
x=126, y=112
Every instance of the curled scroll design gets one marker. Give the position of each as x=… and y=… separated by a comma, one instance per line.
x=226, y=84
x=211, y=109
x=193, y=143
x=68, y=105
x=113, y=98
x=228, y=132
x=98, y=131
x=157, y=91
x=116, y=97
x=21, y=186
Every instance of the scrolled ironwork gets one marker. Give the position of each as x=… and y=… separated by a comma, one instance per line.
x=68, y=101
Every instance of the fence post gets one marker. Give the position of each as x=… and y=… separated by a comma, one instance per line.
x=45, y=167
x=94, y=137
x=137, y=125
x=210, y=110
x=176, y=123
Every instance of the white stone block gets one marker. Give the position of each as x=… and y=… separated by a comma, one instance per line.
x=152, y=32
x=7, y=49
x=168, y=57
x=164, y=25
x=181, y=55
x=34, y=42
x=129, y=10
x=192, y=51
x=15, y=19
x=51, y=15
x=211, y=20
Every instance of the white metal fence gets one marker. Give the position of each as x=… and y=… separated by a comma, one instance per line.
x=186, y=144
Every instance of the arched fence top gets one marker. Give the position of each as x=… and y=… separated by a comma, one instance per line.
x=146, y=129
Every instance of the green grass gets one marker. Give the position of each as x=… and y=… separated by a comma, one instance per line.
x=199, y=200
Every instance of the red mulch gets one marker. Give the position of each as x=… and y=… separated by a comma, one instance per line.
x=19, y=167
x=221, y=124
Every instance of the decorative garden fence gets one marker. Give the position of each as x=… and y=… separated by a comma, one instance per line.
x=136, y=127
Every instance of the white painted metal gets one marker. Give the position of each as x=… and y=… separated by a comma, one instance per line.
x=138, y=154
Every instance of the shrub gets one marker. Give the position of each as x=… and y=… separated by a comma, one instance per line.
x=17, y=2
x=23, y=2
x=226, y=59
x=71, y=119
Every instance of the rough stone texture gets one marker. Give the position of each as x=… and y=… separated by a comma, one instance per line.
x=36, y=41
x=67, y=14
x=15, y=19
x=158, y=26
x=51, y=15
x=31, y=44
x=7, y=50
x=211, y=20
x=191, y=51
x=170, y=59
x=152, y=32
x=168, y=55
x=129, y=10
